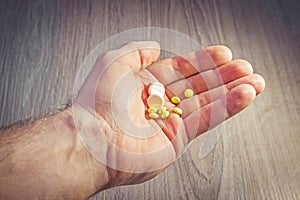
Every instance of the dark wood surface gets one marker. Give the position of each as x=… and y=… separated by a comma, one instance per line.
x=43, y=43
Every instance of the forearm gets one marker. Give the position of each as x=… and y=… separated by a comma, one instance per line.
x=46, y=159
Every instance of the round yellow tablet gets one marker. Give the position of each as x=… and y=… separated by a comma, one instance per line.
x=162, y=110
x=154, y=108
x=178, y=110
x=175, y=100
x=165, y=115
x=188, y=93
x=153, y=115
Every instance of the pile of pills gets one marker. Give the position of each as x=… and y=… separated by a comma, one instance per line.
x=156, y=101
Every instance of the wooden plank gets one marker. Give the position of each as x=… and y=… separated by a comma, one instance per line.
x=43, y=43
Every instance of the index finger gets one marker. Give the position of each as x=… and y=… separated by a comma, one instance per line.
x=173, y=69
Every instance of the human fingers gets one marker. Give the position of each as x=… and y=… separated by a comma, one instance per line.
x=211, y=115
x=179, y=67
x=210, y=78
x=200, y=100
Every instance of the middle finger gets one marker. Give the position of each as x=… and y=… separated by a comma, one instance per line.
x=210, y=79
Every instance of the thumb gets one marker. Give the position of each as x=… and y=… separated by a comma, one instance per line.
x=135, y=55
x=148, y=51
x=111, y=67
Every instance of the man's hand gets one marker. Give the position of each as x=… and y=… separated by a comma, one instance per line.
x=106, y=138
x=138, y=148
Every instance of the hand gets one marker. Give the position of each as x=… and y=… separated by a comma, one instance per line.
x=135, y=148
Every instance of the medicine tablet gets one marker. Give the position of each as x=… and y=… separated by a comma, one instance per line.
x=175, y=100
x=153, y=115
x=178, y=110
x=154, y=108
x=162, y=110
x=188, y=93
x=165, y=115
x=156, y=88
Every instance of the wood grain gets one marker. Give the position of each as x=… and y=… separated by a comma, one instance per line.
x=42, y=44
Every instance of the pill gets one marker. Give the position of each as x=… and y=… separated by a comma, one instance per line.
x=155, y=99
x=175, y=100
x=154, y=108
x=188, y=93
x=165, y=114
x=162, y=110
x=156, y=88
x=178, y=110
x=153, y=115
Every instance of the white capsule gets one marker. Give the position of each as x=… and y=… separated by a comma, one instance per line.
x=156, y=88
x=155, y=99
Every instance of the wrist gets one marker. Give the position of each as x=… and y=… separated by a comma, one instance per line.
x=91, y=175
x=48, y=158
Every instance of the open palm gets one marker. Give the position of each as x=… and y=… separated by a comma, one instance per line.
x=138, y=148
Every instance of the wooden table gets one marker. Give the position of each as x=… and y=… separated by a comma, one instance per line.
x=42, y=44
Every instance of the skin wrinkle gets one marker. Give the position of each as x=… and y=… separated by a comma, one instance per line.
x=72, y=156
x=207, y=98
x=144, y=62
x=206, y=117
x=72, y=150
x=182, y=137
x=68, y=161
x=181, y=68
x=116, y=140
x=97, y=185
x=165, y=76
x=254, y=80
x=113, y=138
x=171, y=133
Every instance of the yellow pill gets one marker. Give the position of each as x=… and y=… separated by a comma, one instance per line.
x=178, y=110
x=154, y=108
x=165, y=115
x=151, y=110
x=188, y=93
x=175, y=100
x=162, y=110
x=153, y=115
